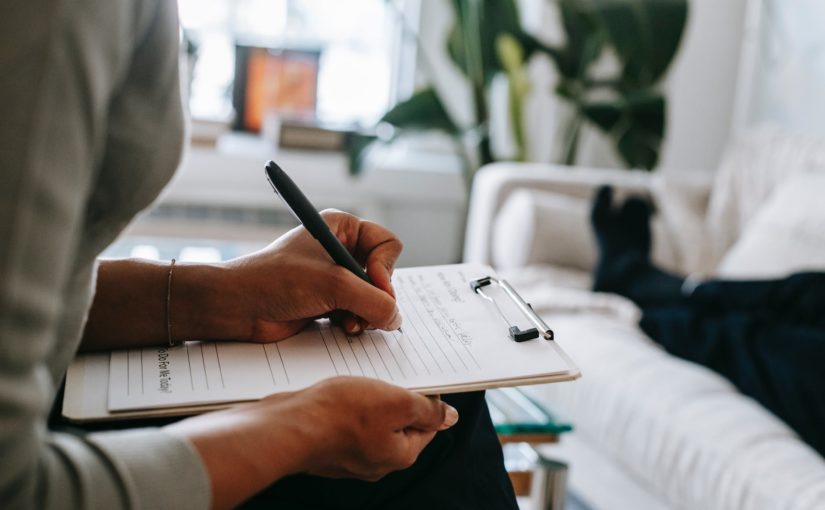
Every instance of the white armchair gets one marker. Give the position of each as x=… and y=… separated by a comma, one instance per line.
x=495, y=184
x=538, y=214
x=651, y=430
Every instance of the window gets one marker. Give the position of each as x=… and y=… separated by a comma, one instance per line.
x=361, y=69
x=785, y=66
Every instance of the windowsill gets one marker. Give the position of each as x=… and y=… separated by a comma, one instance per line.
x=419, y=195
x=231, y=173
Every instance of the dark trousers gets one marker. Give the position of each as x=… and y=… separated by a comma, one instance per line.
x=766, y=337
x=462, y=468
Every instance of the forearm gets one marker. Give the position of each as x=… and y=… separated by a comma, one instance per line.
x=264, y=296
x=131, y=298
x=244, y=450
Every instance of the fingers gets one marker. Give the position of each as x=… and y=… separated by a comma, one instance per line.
x=416, y=441
x=372, y=245
x=431, y=414
x=354, y=295
x=380, y=260
x=351, y=324
x=372, y=428
x=377, y=249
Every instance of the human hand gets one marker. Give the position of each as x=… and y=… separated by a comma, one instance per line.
x=368, y=428
x=343, y=427
x=274, y=292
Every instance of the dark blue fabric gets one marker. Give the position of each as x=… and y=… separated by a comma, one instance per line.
x=766, y=337
x=462, y=468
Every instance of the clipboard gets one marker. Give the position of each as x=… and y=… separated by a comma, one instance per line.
x=493, y=313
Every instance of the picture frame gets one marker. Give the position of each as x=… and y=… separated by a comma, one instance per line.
x=283, y=81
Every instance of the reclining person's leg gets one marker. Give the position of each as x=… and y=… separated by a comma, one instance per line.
x=767, y=337
x=777, y=363
x=799, y=298
x=624, y=241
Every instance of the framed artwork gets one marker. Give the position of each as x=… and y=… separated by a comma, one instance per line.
x=281, y=81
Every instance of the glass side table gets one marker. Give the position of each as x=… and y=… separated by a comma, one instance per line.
x=521, y=424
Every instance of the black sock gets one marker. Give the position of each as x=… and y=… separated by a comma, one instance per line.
x=624, y=241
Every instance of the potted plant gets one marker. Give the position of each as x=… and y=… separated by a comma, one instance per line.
x=641, y=36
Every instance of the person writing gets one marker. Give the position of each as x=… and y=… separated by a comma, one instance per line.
x=92, y=130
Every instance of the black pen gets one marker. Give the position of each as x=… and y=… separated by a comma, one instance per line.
x=306, y=213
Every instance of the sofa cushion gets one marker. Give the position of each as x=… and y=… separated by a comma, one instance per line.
x=544, y=227
x=540, y=226
x=681, y=429
x=681, y=203
x=753, y=167
x=787, y=234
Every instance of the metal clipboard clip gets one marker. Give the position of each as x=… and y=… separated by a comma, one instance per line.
x=516, y=334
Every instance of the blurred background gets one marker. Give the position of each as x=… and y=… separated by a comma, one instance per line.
x=435, y=89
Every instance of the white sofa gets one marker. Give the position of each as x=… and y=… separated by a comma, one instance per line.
x=651, y=430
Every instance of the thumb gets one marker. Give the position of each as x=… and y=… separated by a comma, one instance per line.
x=431, y=414
x=366, y=301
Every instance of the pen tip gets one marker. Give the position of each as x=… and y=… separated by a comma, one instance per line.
x=400, y=331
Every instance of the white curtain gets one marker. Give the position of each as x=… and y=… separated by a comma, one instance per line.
x=788, y=76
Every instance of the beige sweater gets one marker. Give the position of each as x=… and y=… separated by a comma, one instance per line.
x=90, y=131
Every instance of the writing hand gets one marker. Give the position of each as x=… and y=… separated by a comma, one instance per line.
x=274, y=292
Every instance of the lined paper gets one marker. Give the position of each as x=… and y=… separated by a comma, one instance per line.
x=451, y=336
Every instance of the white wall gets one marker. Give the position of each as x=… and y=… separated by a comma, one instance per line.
x=702, y=84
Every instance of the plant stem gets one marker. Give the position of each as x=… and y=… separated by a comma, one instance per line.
x=485, y=151
x=471, y=29
x=516, y=98
x=572, y=135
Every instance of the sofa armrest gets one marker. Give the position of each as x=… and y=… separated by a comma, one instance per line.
x=494, y=183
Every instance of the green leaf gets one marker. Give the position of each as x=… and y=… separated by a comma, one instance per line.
x=583, y=43
x=635, y=123
x=472, y=39
x=644, y=33
x=423, y=110
x=531, y=46
x=457, y=44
